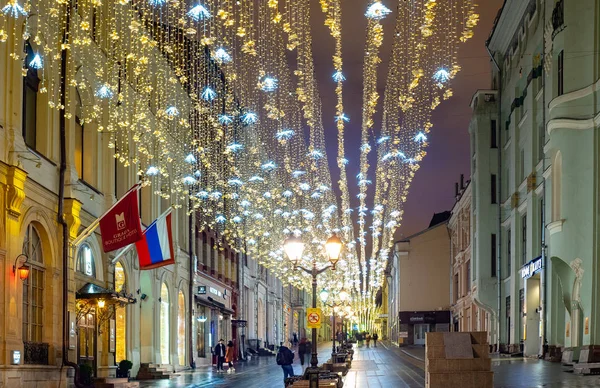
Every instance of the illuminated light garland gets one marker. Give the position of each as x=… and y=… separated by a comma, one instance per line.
x=208, y=94
x=285, y=134
x=172, y=111
x=342, y=117
x=152, y=171
x=157, y=3
x=189, y=180
x=249, y=118
x=338, y=76
x=234, y=147
x=13, y=9
x=225, y=119
x=104, y=92
x=198, y=12
x=222, y=56
x=442, y=76
x=377, y=11
x=36, y=62
x=191, y=159
x=269, y=84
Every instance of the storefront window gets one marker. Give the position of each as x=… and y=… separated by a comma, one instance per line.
x=181, y=328
x=120, y=316
x=200, y=336
x=164, y=324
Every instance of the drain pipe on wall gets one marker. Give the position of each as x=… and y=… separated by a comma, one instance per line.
x=191, y=235
x=499, y=195
x=543, y=209
x=61, y=203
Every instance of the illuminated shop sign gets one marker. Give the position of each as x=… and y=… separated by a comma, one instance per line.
x=531, y=268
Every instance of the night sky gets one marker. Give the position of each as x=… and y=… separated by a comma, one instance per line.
x=447, y=157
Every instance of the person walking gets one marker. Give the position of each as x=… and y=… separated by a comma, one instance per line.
x=368, y=339
x=375, y=338
x=285, y=358
x=229, y=357
x=302, y=350
x=220, y=352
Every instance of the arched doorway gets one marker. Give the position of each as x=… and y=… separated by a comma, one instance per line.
x=181, y=328
x=164, y=324
x=120, y=316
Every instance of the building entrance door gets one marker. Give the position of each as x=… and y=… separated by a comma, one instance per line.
x=420, y=330
x=87, y=340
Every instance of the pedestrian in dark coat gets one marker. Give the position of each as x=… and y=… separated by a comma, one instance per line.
x=220, y=352
x=285, y=358
x=302, y=350
x=375, y=338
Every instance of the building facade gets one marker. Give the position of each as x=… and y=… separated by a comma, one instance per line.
x=548, y=120
x=483, y=131
x=463, y=309
x=421, y=280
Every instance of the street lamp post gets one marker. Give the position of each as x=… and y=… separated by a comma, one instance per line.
x=294, y=247
x=343, y=295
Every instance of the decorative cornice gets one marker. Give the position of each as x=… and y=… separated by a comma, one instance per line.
x=573, y=124
x=15, y=187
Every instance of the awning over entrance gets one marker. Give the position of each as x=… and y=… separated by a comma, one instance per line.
x=93, y=291
x=210, y=302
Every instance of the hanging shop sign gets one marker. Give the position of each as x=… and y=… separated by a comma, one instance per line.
x=531, y=268
x=201, y=290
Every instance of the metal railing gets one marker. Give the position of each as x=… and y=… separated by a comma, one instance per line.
x=36, y=353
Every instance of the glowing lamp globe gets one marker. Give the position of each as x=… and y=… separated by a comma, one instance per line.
x=324, y=295
x=101, y=303
x=333, y=247
x=293, y=247
x=343, y=295
x=23, y=272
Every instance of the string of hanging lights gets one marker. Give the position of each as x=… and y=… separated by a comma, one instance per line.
x=202, y=101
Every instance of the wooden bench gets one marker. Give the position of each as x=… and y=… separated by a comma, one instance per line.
x=322, y=383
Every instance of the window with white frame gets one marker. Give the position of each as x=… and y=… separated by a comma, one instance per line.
x=85, y=261
x=33, y=288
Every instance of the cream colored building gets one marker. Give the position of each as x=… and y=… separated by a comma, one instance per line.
x=420, y=279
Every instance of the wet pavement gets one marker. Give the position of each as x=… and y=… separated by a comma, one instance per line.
x=384, y=366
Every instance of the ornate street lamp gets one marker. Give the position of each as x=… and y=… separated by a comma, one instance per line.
x=23, y=270
x=294, y=247
x=343, y=296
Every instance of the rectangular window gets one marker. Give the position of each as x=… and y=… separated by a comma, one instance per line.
x=456, y=289
x=493, y=190
x=78, y=148
x=522, y=177
x=561, y=71
x=468, y=285
x=30, y=87
x=524, y=238
x=494, y=135
x=493, y=251
x=508, y=253
x=507, y=319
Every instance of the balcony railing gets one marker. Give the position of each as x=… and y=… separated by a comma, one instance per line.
x=36, y=353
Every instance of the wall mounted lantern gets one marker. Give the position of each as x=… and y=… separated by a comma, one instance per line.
x=23, y=270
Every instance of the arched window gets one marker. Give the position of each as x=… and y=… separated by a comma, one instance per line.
x=85, y=261
x=33, y=288
x=31, y=83
x=120, y=315
x=164, y=324
x=556, y=186
x=181, y=328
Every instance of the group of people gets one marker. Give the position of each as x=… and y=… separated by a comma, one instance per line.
x=224, y=354
x=367, y=337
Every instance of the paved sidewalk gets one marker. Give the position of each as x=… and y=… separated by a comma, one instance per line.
x=520, y=372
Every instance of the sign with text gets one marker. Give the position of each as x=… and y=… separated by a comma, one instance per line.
x=313, y=318
x=403, y=334
x=531, y=268
x=201, y=290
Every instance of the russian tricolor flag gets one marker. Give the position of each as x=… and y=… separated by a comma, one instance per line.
x=155, y=249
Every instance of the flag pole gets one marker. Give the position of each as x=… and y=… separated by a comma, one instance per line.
x=90, y=229
x=128, y=247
